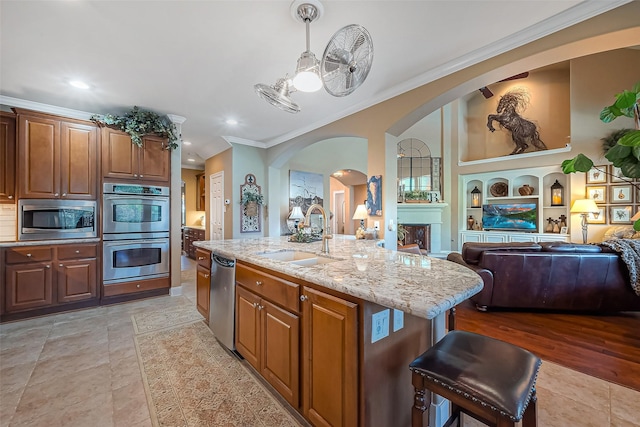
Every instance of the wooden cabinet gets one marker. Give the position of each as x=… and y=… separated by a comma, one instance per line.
x=329, y=359
x=268, y=329
x=57, y=158
x=203, y=282
x=123, y=159
x=45, y=276
x=190, y=235
x=7, y=157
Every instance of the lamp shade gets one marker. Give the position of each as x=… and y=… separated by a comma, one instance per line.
x=636, y=216
x=361, y=212
x=296, y=213
x=584, y=206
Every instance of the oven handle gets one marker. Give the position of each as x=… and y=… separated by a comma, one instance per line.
x=134, y=242
x=133, y=197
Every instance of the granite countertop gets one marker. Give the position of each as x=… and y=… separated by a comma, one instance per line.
x=48, y=242
x=418, y=285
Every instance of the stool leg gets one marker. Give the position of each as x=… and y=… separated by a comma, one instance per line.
x=452, y=319
x=419, y=402
x=530, y=417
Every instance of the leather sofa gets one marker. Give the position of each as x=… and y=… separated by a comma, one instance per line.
x=549, y=276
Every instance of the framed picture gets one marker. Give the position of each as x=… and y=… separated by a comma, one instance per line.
x=597, y=193
x=599, y=217
x=621, y=194
x=620, y=215
x=374, y=196
x=596, y=175
x=616, y=174
x=563, y=230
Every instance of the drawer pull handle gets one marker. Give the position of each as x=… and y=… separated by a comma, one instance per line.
x=28, y=255
x=77, y=252
x=48, y=266
x=259, y=283
x=64, y=194
x=10, y=197
x=60, y=265
x=137, y=286
x=56, y=194
x=260, y=307
x=303, y=298
x=206, y=276
x=200, y=258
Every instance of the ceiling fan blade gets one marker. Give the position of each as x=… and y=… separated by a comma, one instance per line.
x=516, y=77
x=486, y=92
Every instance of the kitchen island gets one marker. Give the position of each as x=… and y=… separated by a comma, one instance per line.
x=334, y=333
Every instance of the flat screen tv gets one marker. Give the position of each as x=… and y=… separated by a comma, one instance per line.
x=510, y=217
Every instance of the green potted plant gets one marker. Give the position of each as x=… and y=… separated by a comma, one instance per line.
x=625, y=153
x=138, y=123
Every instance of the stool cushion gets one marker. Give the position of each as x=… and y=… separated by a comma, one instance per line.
x=495, y=373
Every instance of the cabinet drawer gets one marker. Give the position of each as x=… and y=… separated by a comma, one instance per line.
x=77, y=251
x=135, y=286
x=203, y=257
x=28, y=254
x=279, y=291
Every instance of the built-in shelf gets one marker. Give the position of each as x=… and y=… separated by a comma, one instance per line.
x=565, y=149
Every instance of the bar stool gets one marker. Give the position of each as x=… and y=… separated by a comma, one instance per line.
x=487, y=379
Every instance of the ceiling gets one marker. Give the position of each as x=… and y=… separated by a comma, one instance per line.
x=201, y=59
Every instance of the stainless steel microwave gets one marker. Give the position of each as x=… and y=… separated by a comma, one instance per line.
x=43, y=219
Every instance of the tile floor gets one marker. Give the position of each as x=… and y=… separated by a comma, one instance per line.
x=81, y=369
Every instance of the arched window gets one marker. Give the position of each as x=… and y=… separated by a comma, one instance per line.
x=417, y=170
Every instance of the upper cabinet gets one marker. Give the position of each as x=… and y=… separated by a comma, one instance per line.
x=123, y=159
x=57, y=157
x=7, y=157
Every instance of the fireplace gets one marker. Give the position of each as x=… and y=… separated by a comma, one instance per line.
x=419, y=234
x=425, y=222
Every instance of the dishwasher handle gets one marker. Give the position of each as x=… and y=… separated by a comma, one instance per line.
x=223, y=262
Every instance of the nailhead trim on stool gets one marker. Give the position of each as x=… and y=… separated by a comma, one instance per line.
x=489, y=372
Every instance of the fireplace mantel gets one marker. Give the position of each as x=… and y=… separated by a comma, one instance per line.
x=424, y=213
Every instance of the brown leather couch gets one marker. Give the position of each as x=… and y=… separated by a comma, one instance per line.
x=551, y=275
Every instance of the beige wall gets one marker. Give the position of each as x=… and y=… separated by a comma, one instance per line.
x=191, y=190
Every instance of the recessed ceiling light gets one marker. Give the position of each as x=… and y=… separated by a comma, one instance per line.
x=79, y=84
x=186, y=142
x=191, y=160
x=231, y=122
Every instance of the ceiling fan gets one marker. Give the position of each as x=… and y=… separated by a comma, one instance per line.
x=488, y=94
x=344, y=65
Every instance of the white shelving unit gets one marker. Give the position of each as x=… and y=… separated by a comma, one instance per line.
x=540, y=179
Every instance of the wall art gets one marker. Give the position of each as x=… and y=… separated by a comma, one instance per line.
x=305, y=189
x=374, y=196
x=251, y=201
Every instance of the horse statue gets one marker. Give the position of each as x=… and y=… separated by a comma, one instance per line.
x=523, y=132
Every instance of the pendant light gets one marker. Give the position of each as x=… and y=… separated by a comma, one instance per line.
x=307, y=77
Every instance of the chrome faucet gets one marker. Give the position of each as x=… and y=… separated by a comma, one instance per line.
x=325, y=227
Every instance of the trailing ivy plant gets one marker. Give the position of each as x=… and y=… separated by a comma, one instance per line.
x=625, y=153
x=251, y=197
x=138, y=123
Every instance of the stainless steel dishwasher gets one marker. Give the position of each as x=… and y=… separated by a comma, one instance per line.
x=222, y=299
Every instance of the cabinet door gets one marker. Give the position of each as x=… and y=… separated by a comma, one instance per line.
x=248, y=326
x=119, y=155
x=281, y=350
x=38, y=157
x=28, y=286
x=7, y=158
x=329, y=360
x=77, y=280
x=78, y=161
x=203, y=287
x=154, y=159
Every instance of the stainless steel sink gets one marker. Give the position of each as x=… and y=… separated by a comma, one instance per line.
x=298, y=257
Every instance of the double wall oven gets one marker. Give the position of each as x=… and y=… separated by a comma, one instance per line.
x=135, y=232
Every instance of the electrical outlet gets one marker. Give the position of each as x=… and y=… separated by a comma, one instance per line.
x=379, y=325
x=398, y=320
x=376, y=225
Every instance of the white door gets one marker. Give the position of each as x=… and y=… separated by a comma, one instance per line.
x=216, y=206
x=339, y=213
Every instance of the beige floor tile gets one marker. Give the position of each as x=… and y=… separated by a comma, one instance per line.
x=125, y=371
x=574, y=385
x=95, y=410
x=625, y=406
x=59, y=368
x=130, y=404
x=15, y=377
x=73, y=344
x=25, y=325
x=557, y=410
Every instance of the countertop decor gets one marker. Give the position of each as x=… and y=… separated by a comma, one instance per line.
x=415, y=284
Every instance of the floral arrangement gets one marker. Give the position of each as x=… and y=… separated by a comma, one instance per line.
x=251, y=197
x=138, y=123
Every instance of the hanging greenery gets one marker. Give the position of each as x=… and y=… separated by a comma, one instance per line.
x=138, y=123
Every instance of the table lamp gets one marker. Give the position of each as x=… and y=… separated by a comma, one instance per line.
x=361, y=214
x=297, y=215
x=583, y=207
